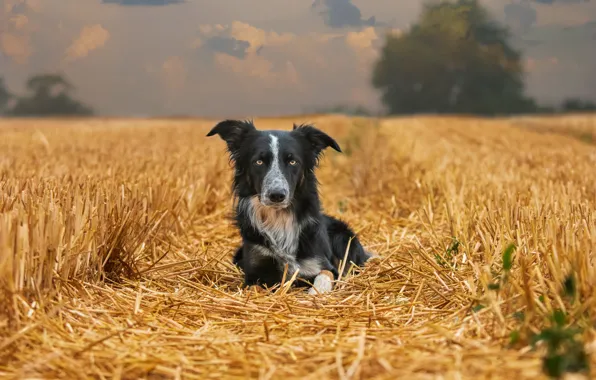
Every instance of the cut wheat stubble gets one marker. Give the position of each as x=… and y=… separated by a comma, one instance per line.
x=115, y=251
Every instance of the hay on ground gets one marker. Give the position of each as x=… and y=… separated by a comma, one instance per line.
x=115, y=248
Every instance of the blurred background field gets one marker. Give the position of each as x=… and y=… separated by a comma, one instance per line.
x=115, y=252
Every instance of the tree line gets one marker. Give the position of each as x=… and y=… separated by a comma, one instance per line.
x=455, y=59
x=47, y=95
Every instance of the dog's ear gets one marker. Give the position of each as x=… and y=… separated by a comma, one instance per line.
x=318, y=139
x=232, y=132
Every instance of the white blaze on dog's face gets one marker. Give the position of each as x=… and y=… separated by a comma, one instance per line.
x=277, y=167
x=275, y=190
x=272, y=164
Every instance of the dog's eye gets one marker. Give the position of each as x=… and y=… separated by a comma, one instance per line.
x=259, y=162
x=293, y=162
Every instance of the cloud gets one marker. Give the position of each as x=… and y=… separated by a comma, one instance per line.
x=520, y=16
x=259, y=69
x=363, y=40
x=228, y=45
x=143, y=2
x=342, y=13
x=296, y=70
x=18, y=47
x=238, y=39
x=92, y=37
x=523, y=16
x=21, y=6
x=16, y=29
x=238, y=48
x=35, y=5
x=19, y=21
x=288, y=61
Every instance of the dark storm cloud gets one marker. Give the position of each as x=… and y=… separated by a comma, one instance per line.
x=228, y=45
x=342, y=13
x=143, y=2
x=520, y=16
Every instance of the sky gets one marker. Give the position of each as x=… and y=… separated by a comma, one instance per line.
x=224, y=58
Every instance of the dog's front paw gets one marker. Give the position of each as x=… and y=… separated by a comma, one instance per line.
x=323, y=283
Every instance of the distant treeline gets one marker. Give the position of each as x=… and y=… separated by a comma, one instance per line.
x=48, y=95
x=571, y=105
x=454, y=60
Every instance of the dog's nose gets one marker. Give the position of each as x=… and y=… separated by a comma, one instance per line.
x=277, y=196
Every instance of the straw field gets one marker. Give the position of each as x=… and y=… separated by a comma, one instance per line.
x=116, y=244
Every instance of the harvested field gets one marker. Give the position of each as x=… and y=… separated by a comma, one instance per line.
x=115, y=252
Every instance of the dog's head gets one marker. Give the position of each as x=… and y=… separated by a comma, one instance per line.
x=272, y=164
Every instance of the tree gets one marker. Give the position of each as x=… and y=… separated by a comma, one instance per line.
x=5, y=96
x=50, y=97
x=578, y=105
x=454, y=60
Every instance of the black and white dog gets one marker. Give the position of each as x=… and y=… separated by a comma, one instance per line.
x=278, y=211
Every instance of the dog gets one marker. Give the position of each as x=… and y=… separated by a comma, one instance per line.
x=277, y=208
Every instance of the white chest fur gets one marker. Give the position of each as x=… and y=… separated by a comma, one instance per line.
x=283, y=231
x=278, y=226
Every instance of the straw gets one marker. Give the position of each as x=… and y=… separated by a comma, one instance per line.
x=116, y=247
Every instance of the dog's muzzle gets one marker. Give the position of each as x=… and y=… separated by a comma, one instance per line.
x=278, y=198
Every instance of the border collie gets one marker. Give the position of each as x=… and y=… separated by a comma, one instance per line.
x=277, y=208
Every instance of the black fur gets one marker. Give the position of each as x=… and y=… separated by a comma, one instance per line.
x=322, y=237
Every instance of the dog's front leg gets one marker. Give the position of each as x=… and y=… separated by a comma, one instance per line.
x=323, y=283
